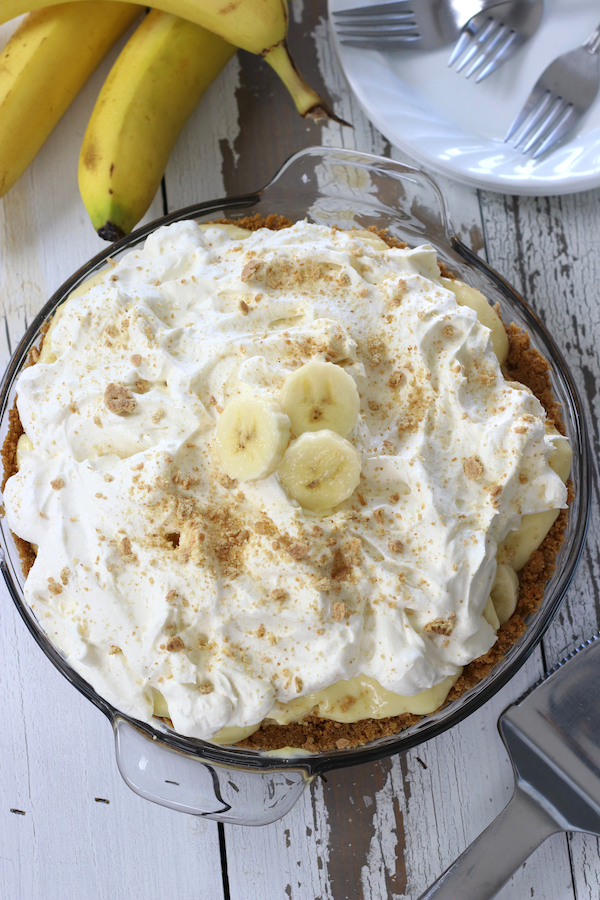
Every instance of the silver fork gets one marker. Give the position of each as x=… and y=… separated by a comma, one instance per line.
x=408, y=24
x=561, y=95
x=492, y=37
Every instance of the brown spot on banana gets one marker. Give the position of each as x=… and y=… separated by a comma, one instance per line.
x=110, y=232
x=229, y=9
x=90, y=157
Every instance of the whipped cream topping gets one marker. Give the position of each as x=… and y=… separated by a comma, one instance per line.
x=157, y=573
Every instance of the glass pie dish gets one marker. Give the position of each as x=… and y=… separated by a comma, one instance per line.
x=347, y=190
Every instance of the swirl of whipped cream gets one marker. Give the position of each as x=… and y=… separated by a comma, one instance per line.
x=157, y=574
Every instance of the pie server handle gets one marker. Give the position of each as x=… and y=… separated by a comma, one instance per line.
x=487, y=864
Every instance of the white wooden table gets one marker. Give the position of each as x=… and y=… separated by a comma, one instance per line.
x=71, y=829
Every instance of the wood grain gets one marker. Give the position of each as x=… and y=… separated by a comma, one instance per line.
x=548, y=248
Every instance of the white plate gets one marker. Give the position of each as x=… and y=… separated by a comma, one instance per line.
x=456, y=127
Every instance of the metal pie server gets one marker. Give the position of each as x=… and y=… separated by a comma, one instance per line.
x=552, y=735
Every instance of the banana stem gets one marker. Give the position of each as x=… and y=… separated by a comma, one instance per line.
x=308, y=103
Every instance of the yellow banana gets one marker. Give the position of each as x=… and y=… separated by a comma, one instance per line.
x=152, y=89
x=259, y=26
x=43, y=67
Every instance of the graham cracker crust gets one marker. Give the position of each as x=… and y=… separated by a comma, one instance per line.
x=524, y=364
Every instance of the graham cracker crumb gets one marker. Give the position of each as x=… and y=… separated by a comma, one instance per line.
x=298, y=550
x=473, y=467
x=126, y=551
x=57, y=483
x=175, y=643
x=339, y=611
x=441, y=626
x=119, y=399
x=250, y=270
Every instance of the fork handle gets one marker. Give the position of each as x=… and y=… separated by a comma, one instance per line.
x=592, y=45
x=497, y=853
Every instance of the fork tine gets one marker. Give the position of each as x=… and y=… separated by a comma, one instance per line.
x=531, y=104
x=478, y=39
x=562, y=127
x=400, y=8
x=378, y=30
x=378, y=43
x=461, y=44
x=538, y=116
x=490, y=48
x=556, y=110
x=503, y=53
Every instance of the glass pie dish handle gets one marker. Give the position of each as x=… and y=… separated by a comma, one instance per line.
x=202, y=787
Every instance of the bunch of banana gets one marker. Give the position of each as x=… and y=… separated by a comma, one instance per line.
x=319, y=406
x=259, y=26
x=42, y=69
x=152, y=89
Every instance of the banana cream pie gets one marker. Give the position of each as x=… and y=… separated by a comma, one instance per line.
x=284, y=486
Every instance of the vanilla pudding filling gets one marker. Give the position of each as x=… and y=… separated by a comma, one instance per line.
x=220, y=594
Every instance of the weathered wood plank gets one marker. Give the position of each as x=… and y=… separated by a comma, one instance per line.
x=548, y=248
x=388, y=829
x=57, y=757
x=56, y=753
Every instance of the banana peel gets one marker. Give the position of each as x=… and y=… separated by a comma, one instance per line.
x=151, y=91
x=259, y=26
x=43, y=67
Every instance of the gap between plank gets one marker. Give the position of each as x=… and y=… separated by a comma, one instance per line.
x=223, y=852
x=163, y=190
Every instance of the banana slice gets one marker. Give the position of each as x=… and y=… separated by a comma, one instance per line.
x=251, y=436
x=487, y=315
x=505, y=592
x=320, y=469
x=320, y=395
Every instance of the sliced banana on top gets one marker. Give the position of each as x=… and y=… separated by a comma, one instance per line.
x=252, y=434
x=320, y=395
x=320, y=469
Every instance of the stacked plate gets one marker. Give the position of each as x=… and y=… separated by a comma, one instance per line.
x=456, y=127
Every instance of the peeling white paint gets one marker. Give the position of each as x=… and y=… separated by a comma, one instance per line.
x=297, y=11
